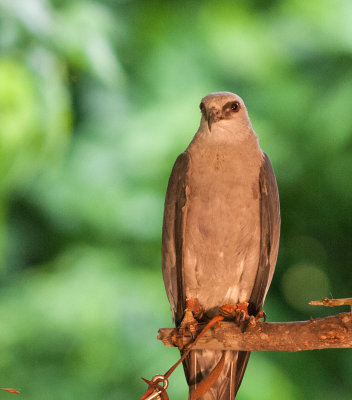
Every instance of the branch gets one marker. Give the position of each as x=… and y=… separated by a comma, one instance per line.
x=332, y=302
x=322, y=333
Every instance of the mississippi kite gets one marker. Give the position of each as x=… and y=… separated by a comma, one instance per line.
x=221, y=231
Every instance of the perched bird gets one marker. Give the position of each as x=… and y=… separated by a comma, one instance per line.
x=220, y=232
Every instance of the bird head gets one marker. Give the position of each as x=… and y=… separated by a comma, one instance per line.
x=224, y=111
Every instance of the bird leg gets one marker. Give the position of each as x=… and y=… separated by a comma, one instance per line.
x=192, y=314
x=239, y=312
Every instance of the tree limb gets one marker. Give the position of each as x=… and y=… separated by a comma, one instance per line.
x=322, y=333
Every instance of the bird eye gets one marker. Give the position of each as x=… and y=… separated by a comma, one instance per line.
x=235, y=106
x=202, y=108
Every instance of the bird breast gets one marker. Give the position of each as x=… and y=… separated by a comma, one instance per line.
x=222, y=224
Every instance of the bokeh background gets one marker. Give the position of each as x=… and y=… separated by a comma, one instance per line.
x=97, y=98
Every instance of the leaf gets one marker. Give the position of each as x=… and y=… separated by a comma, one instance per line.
x=10, y=390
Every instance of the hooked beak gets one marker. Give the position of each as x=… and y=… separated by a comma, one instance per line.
x=213, y=116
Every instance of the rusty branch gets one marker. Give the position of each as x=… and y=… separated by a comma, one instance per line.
x=323, y=333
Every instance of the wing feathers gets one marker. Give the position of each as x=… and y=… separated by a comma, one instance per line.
x=173, y=234
x=270, y=233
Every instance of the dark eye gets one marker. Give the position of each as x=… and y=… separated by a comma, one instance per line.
x=202, y=108
x=235, y=106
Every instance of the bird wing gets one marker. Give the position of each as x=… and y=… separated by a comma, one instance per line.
x=270, y=234
x=269, y=246
x=173, y=235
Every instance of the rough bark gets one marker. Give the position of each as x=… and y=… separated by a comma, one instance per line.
x=323, y=333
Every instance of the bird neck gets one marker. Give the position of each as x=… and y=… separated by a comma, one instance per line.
x=224, y=135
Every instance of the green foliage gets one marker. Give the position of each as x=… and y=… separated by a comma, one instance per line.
x=96, y=101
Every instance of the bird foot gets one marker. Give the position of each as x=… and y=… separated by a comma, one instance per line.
x=253, y=319
x=239, y=312
x=193, y=313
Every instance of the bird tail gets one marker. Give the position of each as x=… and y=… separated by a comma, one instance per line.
x=199, y=364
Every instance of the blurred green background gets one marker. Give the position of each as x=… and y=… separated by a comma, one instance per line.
x=97, y=98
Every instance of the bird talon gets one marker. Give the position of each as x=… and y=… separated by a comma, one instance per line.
x=238, y=312
x=252, y=321
x=228, y=310
x=243, y=316
x=192, y=329
x=188, y=325
x=238, y=316
x=261, y=314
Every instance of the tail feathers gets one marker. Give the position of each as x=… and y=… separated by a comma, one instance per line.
x=200, y=363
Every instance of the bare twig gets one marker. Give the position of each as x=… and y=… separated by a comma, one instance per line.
x=332, y=302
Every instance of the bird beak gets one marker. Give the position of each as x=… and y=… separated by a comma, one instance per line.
x=213, y=116
x=210, y=121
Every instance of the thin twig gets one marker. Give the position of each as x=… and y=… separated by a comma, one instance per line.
x=332, y=302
